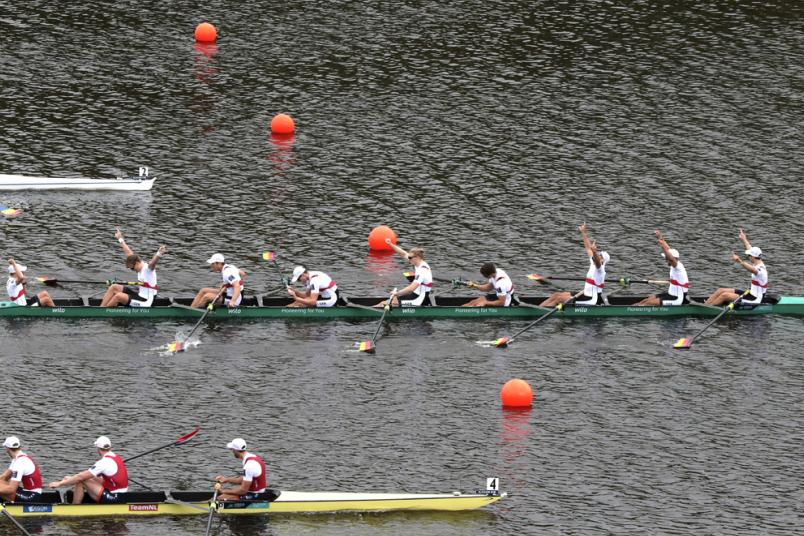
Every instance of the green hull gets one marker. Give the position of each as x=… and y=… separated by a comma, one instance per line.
x=450, y=310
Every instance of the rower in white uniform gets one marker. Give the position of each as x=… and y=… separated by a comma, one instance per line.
x=759, y=277
x=679, y=282
x=498, y=282
x=319, y=289
x=143, y=294
x=417, y=293
x=231, y=289
x=15, y=287
x=22, y=481
x=595, y=277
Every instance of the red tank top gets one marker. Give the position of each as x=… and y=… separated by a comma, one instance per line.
x=258, y=484
x=120, y=479
x=34, y=480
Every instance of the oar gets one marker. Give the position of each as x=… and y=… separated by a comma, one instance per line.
x=178, y=346
x=10, y=212
x=620, y=281
x=212, y=507
x=502, y=342
x=14, y=521
x=52, y=282
x=369, y=346
x=180, y=441
x=458, y=282
x=350, y=303
x=270, y=256
x=685, y=342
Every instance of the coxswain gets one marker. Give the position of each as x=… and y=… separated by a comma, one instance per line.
x=319, y=289
x=16, y=287
x=22, y=481
x=595, y=277
x=251, y=486
x=498, y=282
x=232, y=288
x=417, y=293
x=679, y=282
x=141, y=295
x=103, y=482
x=759, y=278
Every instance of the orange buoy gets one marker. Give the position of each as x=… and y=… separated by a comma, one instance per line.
x=377, y=236
x=205, y=33
x=516, y=393
x=282, y=124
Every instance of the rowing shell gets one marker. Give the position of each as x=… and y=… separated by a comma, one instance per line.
x=448, y=308
x=287, y=502
x=139, y=183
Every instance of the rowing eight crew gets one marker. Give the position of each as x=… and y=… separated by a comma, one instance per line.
x=108, y=477
x=321, y=291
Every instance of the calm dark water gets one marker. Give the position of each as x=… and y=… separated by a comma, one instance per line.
x=484, y=130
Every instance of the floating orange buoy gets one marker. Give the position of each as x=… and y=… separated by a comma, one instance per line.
x=282, y=124
x=377, y=236
x=205, y=33
x=516, y=393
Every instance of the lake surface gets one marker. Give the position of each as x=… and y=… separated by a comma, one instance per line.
x=480, y=131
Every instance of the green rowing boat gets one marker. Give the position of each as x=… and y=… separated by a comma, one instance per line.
x=359, y=309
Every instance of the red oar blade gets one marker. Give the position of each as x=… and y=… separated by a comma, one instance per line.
x=502, y=342
x=367, y=346
x=538, y=278
x=269, y=256
x=187, y=437
x=175, y=347
x=683, y=343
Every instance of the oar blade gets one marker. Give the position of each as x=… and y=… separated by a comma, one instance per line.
x=269, y=256
x=683, y=343
x=187, y=437
x=409, y=275
x=502, y=342
x=175, y=347
x=11, y=212
x=367, y=346
x=48, y=281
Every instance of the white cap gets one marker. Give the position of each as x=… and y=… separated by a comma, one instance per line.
x=237, y=443
x=297, y=273
x=103, y=442
x=754, y=252
x=22, y=267
x=12, y=442
x=673, y=252
x=605, y=255
x=217, y=257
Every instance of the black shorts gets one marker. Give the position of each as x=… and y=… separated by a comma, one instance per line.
x=132, y=295
x=747, y=297
x=23, y=496
x=266, y=495
x=107, y=497
x=666, y=296
x=427, y=301
x=32, y=302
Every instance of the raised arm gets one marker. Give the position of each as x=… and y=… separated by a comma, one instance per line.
x=127, y=250
x=665, y=249
x=744, y=239
x=17, y=274
x=590, y=247
x=396, y=248
x=747, y=265
x=158, y=255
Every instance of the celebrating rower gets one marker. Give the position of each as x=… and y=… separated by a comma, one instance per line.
x=595, y=277
x=143, y=294
x=22, y=481
x=252, y=483
x=232, y=284
x=103, y=481
x=417, y=293
x=497, y=281
x=679, y=283
x=759, y=277
x=16, y=287
x=319, y=289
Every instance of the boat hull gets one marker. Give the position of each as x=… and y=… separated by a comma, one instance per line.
x=288, y=502
x=22, y=182
x=73, y=308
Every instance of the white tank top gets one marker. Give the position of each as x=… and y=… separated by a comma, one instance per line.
x=679, y=283
x=148, y=276
x=322, y=284
x=595, y=278
x=424, y=277
x=759, y=282
x=16, y=292
x=502, y=284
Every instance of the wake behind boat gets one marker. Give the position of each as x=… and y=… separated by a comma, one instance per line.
x=138, y=183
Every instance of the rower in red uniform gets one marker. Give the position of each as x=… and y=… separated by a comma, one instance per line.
x=679, y=282
x=252, y=483
x=22, y=481
x=141, y=295
x=759, y=277
x=319, y=289
x=104, y=481
x=15, y=287
x=595, y=277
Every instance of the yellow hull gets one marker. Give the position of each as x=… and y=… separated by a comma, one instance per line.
x=288, y=503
